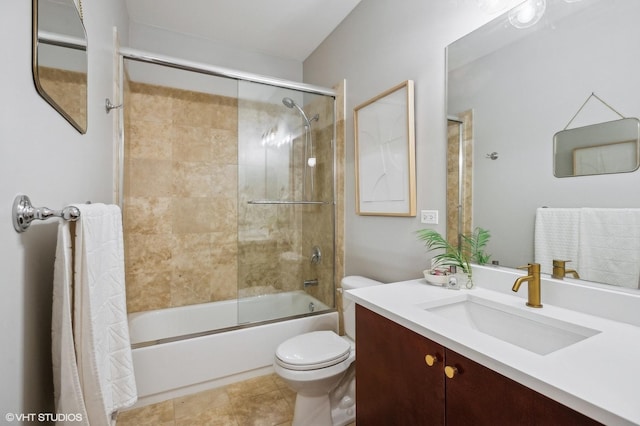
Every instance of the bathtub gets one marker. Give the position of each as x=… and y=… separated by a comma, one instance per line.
x=175, y=353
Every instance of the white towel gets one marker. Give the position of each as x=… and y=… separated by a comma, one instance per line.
x=557, y=237
x=67, y=388
x=101, y=331
x=610, y=246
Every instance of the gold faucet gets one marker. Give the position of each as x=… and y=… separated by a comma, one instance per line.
x=534, y=284
x=560, y=270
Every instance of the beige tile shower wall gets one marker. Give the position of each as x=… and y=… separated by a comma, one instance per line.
x=318, y=220
x=467, y=175
x=268, y=235
x=340, y=89
x=190, y=235
x=180, y=203
x=453, y=179
x=68, y=88
x=340, y=141
x=275, y=241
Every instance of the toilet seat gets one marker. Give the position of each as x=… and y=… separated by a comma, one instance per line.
x=312, y=351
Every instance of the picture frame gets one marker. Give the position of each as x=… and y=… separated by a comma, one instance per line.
x=385, y=153
x=614, y=157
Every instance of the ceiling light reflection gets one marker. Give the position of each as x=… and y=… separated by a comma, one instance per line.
x=528, y=13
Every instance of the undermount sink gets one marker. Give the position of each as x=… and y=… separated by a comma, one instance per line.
x=521, y=327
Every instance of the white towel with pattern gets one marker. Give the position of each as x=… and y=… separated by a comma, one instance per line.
x=557, y=236
x=101, y=330
x=609, y=249
x=66, y=383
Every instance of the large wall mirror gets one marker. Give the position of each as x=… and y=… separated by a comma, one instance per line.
x=60, y=59
x=511, y=86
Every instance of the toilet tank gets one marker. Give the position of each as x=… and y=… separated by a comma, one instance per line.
x=348, y=306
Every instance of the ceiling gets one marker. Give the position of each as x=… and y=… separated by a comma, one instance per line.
x=290, y=29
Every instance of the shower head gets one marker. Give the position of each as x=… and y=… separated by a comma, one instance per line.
x=290, y=103
x=308, y=141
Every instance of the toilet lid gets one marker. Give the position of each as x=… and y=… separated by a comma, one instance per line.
x=311, y=351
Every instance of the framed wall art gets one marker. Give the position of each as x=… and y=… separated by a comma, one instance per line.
x=385, y=153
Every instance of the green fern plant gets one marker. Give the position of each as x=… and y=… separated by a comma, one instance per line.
x=472, y=249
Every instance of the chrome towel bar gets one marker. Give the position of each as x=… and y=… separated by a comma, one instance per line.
x=285, y=202
x=24, y=213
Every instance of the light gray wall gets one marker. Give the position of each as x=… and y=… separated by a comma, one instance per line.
x=42, y=156
x=380, y=44
x=156, y=40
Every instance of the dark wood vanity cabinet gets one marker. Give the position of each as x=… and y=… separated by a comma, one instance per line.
x=393, y=384
x=396, y=386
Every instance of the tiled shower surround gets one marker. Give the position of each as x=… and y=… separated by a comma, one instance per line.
x=190, y=235
x=67, y=88
x=453, y=176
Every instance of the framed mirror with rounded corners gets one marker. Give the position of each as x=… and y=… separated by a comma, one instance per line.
x=600, y=148
x=59, y=58
x=510, y=89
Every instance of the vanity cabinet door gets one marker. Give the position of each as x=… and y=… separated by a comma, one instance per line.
x=481, y=396
x=394, y=384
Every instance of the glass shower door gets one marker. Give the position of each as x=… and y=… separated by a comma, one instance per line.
x=285, y=202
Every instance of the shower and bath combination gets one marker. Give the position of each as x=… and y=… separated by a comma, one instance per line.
x=309, y=156
x=237, y=272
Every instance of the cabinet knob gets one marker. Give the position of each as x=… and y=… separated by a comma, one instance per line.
x=431, y=359
x=450, y=371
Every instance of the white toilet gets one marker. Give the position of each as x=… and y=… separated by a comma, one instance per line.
x=319, y=367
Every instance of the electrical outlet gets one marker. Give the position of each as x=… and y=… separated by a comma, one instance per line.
x=429, y=216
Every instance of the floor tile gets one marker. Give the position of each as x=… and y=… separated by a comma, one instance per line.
x=260, y=401
x=160, y=414
x=267, y=409
x=191, y=405
x=252, y=387
x=216, y=416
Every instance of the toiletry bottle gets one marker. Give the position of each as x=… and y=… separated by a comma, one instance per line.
x=452, y=283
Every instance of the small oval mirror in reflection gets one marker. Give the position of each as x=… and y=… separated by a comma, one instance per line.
x=60, y=59
x=602, y=148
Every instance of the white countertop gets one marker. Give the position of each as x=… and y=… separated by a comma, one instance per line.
x=598, y=376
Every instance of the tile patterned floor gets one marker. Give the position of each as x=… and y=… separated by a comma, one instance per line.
x=261, y=401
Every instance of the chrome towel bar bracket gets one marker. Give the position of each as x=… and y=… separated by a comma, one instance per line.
x=24, y=213
x=108, y=106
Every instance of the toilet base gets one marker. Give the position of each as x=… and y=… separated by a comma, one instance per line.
x=337, y=408
x=343, y=399
x=343, y=416
x=312, y=411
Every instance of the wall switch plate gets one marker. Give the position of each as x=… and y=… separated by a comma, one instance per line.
x=429, y=216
